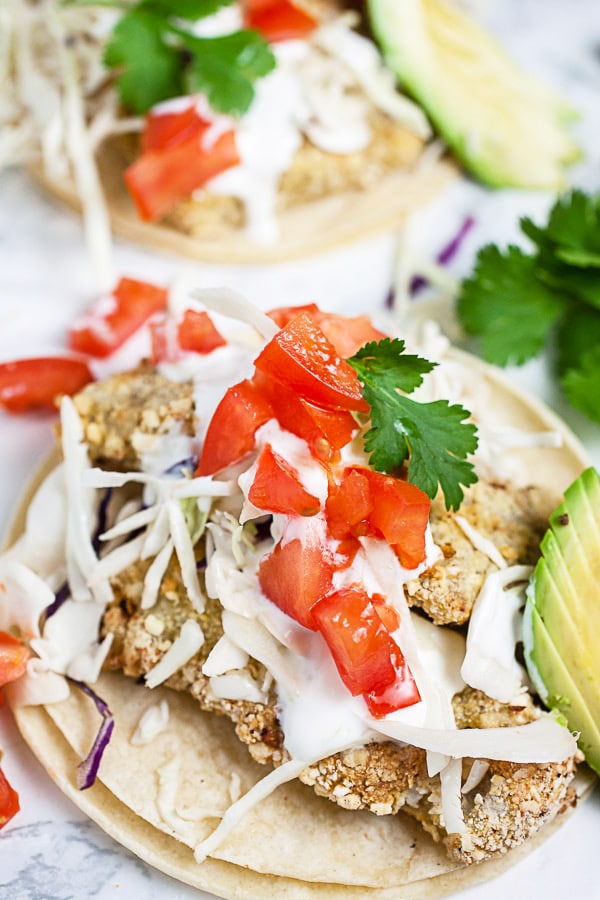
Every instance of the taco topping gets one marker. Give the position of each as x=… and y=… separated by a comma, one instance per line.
x=272, y=572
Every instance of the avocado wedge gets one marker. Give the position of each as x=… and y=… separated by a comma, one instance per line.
x=507, y=129
x=562, y=615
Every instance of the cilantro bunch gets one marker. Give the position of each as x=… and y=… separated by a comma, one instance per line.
x=433, y=437
x=156, y=56
x=519, y=303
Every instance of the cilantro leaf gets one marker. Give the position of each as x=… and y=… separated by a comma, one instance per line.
x=225, y=67
x=517, y=303
x=431, y=436
x=580, y=384
x=505, y=304
x=151, y=70
x=573, y=229
x=157, y=57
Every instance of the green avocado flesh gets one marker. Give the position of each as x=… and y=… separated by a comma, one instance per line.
x=562, y=614
x=507, y=129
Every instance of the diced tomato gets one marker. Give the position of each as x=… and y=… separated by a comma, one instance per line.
x=402, y=692
x=294, y=576
x=360, y=645
x=197, y=332
x=324, y=430
x=346, y=550
x=230, y=434
x=388, y=614
x=281, y=315
x=14, y=656
x=400, y=513
x=194, y=333
x=36, y=383
x=278, y=20
x=348, y=504
x=111, y=321
x=301, y=358
x=9, y=800
x=158, y=179
x=163, y=130
x=276, y=487
x=346, y=333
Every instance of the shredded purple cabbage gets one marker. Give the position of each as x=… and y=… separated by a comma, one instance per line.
x=62, y=595
x=183, y=467
x=446, y=254
x=88, y=767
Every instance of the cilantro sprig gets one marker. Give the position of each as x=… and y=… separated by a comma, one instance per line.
x=156, y=56
x=433, y=437
x=518, y=303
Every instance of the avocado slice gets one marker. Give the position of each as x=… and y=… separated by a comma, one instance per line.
x=507, y=129
x=562, y=614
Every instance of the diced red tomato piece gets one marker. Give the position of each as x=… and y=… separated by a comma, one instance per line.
x=346, y=550
x=346, y=333
x=324, y=430
x=294, y=576
x=230, y=434
x=111, y=321
x=278, y=20
x=197, y=332
x=348, y=504
x=389, y=615
x=360, y=645
x=36, y=383
x=163, y=130
x=301, y=358
x=14, y=656
x=400, y=513
x=402, y=692
x=276, y=487
x=158, y=179
x=281, y=315
x=9, y=800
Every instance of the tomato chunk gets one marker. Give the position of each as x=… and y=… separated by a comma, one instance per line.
x=230, y=434
x=348, y=504
x=276, y=487
x=197, y=332
x=278, y=20
x=111, y=321
x=400, y=513
x=402, y=692
x=360, y=645
x=36, y=383
x=13, y=658
x=163, y=130
x=9, y=800
x=301, y=358
x=324, y=430
x=346, y=333
x=294, y=576
x=158, y=179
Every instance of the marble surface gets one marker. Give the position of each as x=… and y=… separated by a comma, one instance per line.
x=50, y=851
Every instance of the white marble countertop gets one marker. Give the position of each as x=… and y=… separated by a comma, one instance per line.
x=50, y=851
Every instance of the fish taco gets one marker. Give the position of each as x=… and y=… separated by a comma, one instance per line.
x=232, y=131
x=274, y=627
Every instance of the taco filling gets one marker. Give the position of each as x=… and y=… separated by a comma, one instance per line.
x=258, y=545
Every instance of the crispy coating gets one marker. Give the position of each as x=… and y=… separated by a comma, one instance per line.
x=122, y=415
x=513, y=519
x=312, y=175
